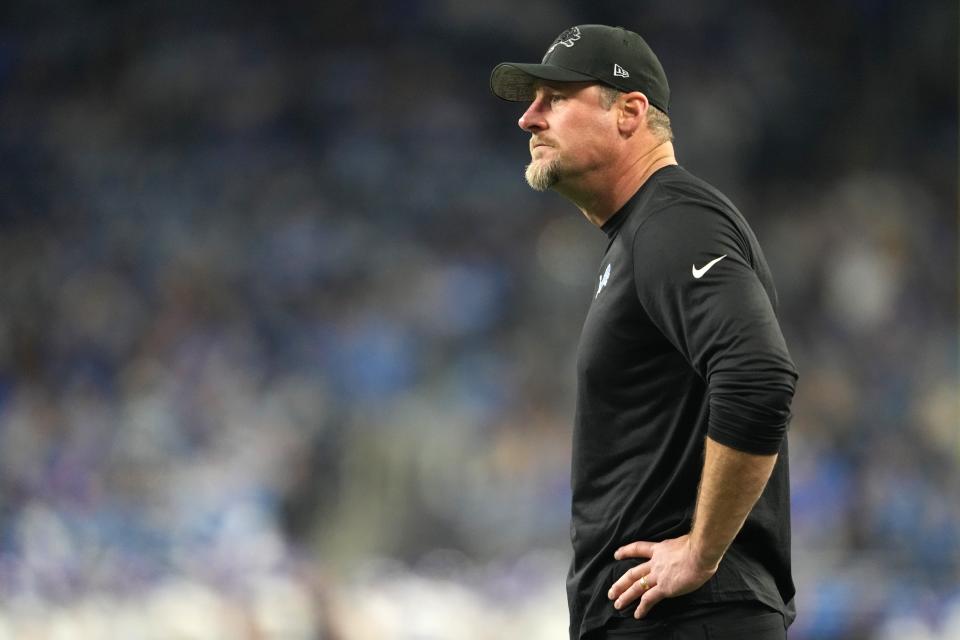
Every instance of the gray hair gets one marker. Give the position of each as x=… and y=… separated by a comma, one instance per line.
x=657, y=121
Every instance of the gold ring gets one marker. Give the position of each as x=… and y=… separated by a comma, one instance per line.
x=643, y=583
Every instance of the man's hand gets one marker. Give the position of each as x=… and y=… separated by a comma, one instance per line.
x=672, y=570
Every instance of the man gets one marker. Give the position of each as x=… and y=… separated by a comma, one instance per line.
x=680, y=519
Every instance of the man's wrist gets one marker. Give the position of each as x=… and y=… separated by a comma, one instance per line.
x=704, y=559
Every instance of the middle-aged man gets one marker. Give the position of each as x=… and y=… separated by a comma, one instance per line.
x=681, y=511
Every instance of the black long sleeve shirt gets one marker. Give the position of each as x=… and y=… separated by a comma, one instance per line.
x=680, y=342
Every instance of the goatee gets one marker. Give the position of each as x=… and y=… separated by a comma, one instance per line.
x=543, y=174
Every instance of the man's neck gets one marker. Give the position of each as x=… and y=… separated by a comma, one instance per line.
x=599, y=202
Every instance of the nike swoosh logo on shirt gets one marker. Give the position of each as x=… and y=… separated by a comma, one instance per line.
x=698, y=273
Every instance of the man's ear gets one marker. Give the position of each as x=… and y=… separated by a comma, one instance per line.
x=632, y=112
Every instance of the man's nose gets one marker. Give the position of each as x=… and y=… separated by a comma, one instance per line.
x=532, y=119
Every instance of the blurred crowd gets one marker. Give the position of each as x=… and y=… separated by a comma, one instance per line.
x=286, y=343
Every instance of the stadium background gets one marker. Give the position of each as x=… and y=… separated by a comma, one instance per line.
x=286, y=343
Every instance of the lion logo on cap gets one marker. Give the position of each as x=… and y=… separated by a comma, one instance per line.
x=567, y=39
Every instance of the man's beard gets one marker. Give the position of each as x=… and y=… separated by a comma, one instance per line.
x=543, y=174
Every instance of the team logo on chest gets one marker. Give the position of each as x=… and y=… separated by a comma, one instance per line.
x=603, y=281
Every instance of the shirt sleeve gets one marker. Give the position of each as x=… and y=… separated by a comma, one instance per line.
x=696, y=280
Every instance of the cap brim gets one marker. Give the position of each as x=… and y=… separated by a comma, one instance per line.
x=514, y=81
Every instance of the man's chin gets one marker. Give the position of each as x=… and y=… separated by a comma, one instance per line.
x=542, y=175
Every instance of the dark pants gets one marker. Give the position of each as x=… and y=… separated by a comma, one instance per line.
x=729, y=621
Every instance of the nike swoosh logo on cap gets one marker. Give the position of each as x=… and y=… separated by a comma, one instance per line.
x=698, y=273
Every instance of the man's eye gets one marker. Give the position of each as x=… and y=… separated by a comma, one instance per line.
x=555, y=98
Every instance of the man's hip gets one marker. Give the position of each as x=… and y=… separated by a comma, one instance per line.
x=717, y=621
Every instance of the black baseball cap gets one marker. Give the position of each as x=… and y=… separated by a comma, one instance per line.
x=588, y=53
